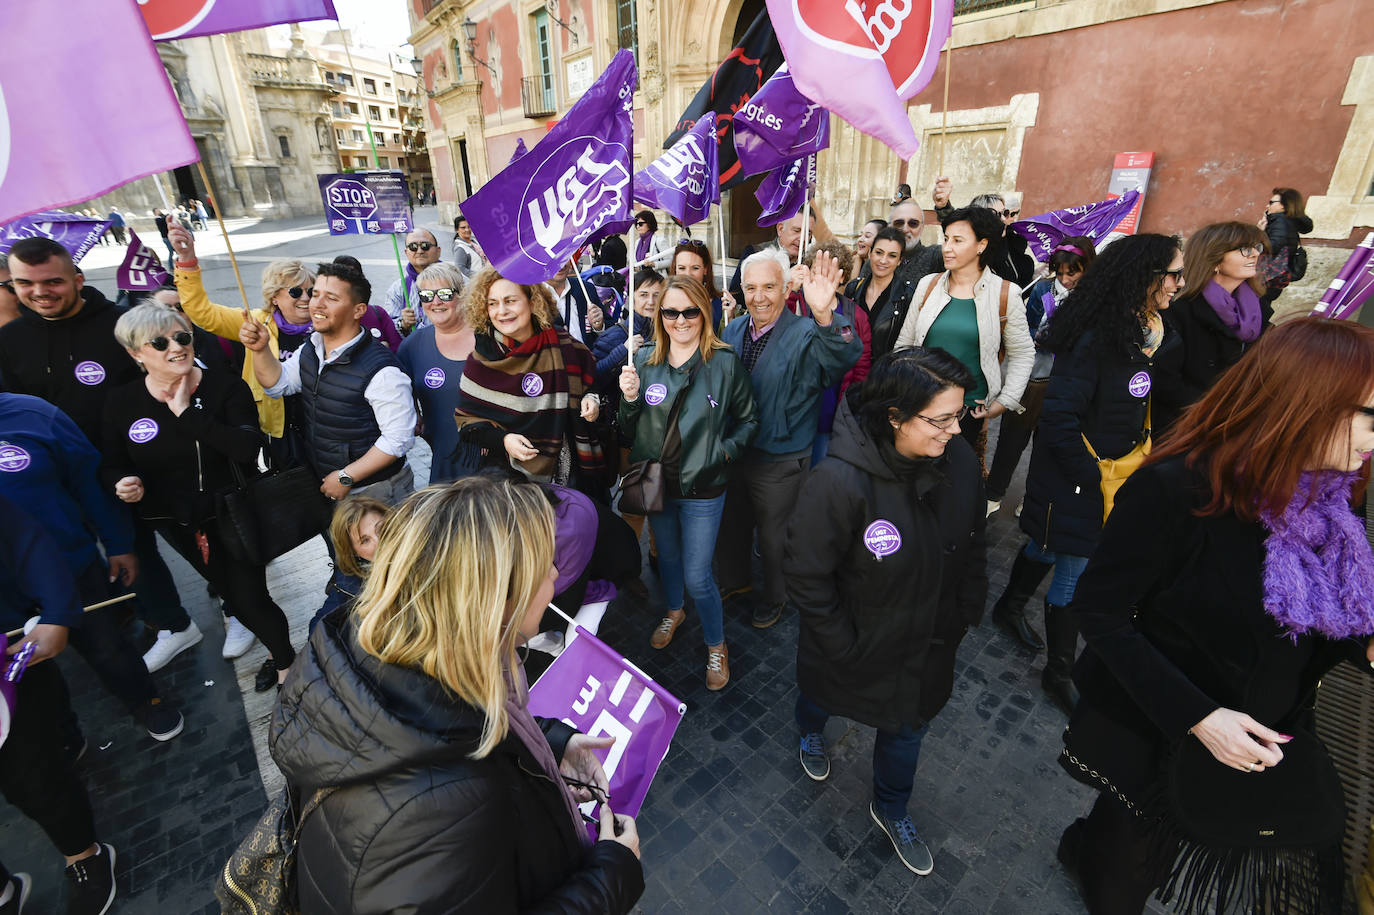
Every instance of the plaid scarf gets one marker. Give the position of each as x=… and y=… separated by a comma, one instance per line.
x=534, y=389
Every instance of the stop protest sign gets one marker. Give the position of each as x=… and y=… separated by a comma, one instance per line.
x=350, y=199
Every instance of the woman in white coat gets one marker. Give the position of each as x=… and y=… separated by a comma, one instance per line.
x=651, y=249
x=978, y=317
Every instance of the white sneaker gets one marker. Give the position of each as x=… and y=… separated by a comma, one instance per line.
x=169, y=644
x=993, y=506
x=237, y=638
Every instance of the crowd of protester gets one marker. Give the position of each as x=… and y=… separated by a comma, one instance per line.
x=823, y=421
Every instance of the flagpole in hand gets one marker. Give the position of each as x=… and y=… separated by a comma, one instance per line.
x=806, y=221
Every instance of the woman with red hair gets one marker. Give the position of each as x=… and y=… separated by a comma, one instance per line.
x=1230, y=577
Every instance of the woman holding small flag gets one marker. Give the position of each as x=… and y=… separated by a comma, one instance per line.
x=650, y=248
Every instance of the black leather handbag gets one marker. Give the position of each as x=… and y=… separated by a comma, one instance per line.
x=642, y=489
x=271, y=514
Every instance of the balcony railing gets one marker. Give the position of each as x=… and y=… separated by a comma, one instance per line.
x=977, y=6
x=537, y=98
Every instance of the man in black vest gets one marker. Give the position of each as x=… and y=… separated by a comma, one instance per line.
x=358, y=414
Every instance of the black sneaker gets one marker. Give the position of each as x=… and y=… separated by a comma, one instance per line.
x=162, y=720
x=766, y=615
x=92, y=883
x=19, y=885
x=814, y=760
x=266, y=677
x=910, y=849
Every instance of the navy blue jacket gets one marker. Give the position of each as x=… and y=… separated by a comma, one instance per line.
x=29, y=577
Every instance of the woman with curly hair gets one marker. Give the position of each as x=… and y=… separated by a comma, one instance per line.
x=1104, y=338
x=526, y=396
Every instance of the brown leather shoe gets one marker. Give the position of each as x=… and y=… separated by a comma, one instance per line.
x=666, y=627
x=717, y=666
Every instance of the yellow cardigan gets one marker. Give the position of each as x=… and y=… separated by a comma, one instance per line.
x=225, y=322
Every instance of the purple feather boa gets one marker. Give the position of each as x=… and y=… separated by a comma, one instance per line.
x=1318, y=567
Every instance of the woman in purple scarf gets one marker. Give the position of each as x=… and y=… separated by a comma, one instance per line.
x=650, y=248
x=1231, y=576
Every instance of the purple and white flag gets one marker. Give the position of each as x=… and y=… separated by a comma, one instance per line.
x=1043, y=233
x=537, y=211
x=141, y=270
x=188, y=18
x=863, y=60
x=778, y=125
x=783, y=191
x=118, y=117
x=1353, y=285
x=685, y=180
x=77, y=233
x=601, y=694
x=520, y=150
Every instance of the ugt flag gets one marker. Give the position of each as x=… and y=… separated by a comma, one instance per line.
x=77, y=233
x=188, y=18
x=684, y=180
x=864, y=60
x=83, y=119
x=141, y=271
x=1352, y=285
x=783, y=192
x=601, y=694
x=542, y=207
x=1095, y=220
x=778, y=125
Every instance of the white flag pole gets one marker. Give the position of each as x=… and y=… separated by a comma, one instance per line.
x=806, y=221
x=724, y=281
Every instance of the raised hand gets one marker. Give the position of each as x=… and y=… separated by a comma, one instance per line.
x=629, y=383
x=183, y=242
x=819, y=288
x=943, y=188
x=253, y=333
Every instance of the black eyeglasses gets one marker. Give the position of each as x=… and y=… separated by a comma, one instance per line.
x=1250, y=250
x=420, y=246
x=182, y=338
x=902, y=223
x=1175, y=275
x=943, y=423
x=297, y=291
x=598, y=795
x=8, y=284
x=672, y=314
x=443, y=295
x=640, y=222
x=1276, y=202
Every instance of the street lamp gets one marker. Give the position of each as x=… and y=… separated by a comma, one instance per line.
x=470, y=32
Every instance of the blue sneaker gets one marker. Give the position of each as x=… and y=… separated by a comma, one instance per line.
x=912, y=852
x=814, y=760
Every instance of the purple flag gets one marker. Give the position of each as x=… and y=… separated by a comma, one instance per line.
x=1353, y=284
x=532, y=216
x=141, y=270
x=601, y=694
x=784, y=190
x=188, y=18
x=520, y=150
x=1095, y=220
x=779, y=124
x=685, y=180
x=119, y=120
x=864, y=60
x=77, y=233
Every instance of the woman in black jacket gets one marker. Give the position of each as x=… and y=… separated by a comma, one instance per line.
x=446, y=795
x=170, y=439
x=883, y=298
x=1104, y=339
x=885, y=561
x=1285, y=220
x=1230, y=578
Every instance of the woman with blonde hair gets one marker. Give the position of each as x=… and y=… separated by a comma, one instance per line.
x=444, y=793
x=526, y=394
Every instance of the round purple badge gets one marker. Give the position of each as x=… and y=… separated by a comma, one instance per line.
x=434, y=378
x=143, y=431
x=1139, y=385
x=89, y=372
x=654, y=394
x=881, y=538
x=13, y=458
x=532, y=385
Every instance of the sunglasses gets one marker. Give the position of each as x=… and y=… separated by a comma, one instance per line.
x=296, y=292
x=182, y=338
x=443, y=295
x=1175, y=275
x=686, y=314
x=691, y=243
x=420, y=246
x=640, y=222
x=8, y=284
x=902, y=223
x=1008, y=214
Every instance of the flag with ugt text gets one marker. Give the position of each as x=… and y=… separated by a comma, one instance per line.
x=542, y=207
x=77, y=233
x=188, y=18
x=779, y=125
x=684, y=180
x=1043, y=233
x=141, y=271
x=783, y=191
x=864, y=60
x=603, y=695
x=85, y=105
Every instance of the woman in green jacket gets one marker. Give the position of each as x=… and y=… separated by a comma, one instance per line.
x=697, y=414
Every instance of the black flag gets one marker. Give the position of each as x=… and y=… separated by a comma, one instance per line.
x=742, y=73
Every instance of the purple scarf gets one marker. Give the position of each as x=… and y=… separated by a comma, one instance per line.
x=295, y=329
x=1239, y=311
x=1318, y=568
x=642, y=246
x=523, y=725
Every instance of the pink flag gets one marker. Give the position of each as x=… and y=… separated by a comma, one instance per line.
x=188, y=18
x=864, y=60
x=76, y=124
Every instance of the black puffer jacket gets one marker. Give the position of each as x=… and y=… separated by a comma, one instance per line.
x=1283, y=231
x=1209, y=348
x=878, y=635
x=416, y=826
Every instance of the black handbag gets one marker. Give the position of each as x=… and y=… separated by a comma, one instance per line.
x=271, y=514
x=642, y=488
x=1297, y=262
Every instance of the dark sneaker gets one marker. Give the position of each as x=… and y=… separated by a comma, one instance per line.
x=266, y=677
x=20, y=884
x=765, y=616
x=910, y=849
x=92, y=883
x=162, y=721
x=75, y=746
x=813, y=757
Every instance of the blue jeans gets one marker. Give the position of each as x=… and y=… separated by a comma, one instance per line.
x=1067, y=570
x=686, y=535
x=895, y=755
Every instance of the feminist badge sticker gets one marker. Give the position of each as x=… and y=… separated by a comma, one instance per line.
x=1139, y=385
x=13, y=458
x=89, y=373
x=881, y=538
x=434, y=378
x=532, y=385
x=654, y=394
x=143, y=431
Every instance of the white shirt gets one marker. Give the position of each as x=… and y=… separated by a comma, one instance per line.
x=388, y=393
x=567, y=309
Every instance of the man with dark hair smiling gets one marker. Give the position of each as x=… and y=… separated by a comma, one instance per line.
x=358, y=415
x=9, y=302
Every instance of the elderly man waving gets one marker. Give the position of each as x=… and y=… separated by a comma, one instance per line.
x=791, y=361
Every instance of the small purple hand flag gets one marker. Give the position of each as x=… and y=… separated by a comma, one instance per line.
x=141, y=270
x=783, y=191
x=77, y=233
x=684, y=180
x=1095, y=220
x=1354, y=283
x=778, y=125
